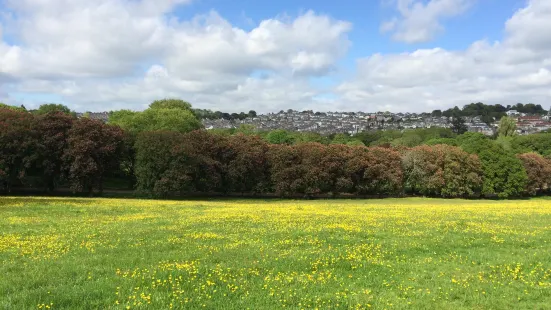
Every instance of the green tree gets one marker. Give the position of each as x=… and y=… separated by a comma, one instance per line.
x=507, y=127
x=226, y=132
x=171, y=119
x=540, y=143
x=279, y=136
x=382, y=137
x=505, y=142
x=458, y=124
x=473, y=142
x=246, y=129
x=154, y=158
x=436, y=113
x=123, y=119
x=369, y=137
x=52, y=107
x=14, y=108
x=340, y=138
x=355, y=142
x=409, y=139
x=167, y=119
x=452, y=112
x=447, y=141
x=305, y=137
x=503, y=173
x=171, y=104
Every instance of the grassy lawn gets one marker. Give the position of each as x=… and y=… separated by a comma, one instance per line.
x=380, y=254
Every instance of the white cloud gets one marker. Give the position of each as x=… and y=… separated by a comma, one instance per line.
x=541, y=78
x=81, y=38
x=310, y=43
x=94, y=52
x=518, y=69
x=420, y=21
x=529, y=27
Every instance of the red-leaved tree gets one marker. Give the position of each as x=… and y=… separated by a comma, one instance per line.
x=285, y=169
x=53, y=132
x=93, y=149
x=17, y=146
x=247, y=166
x=374, y=171
x=538, y=170
x=442, y=170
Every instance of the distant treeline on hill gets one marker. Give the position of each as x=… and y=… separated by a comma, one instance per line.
x=487, y=112
x=490, y=112
x=163, y=151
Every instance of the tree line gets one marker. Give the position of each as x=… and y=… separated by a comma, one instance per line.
x=163, y=151
x=489, y=113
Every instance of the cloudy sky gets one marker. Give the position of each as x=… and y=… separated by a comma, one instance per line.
x=352, y=55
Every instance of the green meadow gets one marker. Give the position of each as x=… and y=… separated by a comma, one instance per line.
x=71, y=253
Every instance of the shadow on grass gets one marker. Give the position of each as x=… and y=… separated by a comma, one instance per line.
x=200, y=196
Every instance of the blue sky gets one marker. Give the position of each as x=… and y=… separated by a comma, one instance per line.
x=484, y=20
x=398, y=55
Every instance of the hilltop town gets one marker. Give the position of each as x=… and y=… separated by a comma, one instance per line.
x=326, y=123
x=355, y=122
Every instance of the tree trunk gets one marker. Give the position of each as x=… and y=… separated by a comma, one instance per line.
x=100, y=185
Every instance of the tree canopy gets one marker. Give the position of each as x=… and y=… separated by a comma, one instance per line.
x=52, y=107
x=458, y=124
x=171, y=115
x=14, y=108
x=171, y=104
x=507, y=127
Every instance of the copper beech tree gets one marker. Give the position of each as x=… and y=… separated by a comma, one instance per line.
x=55, y=149
x=94, y=148
x=442, y=170
x=53, y=132
x=538, y=170
x=17, y=146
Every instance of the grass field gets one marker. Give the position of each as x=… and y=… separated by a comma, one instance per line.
x=376, y=254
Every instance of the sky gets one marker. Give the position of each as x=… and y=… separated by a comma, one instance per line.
x=241, y=55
